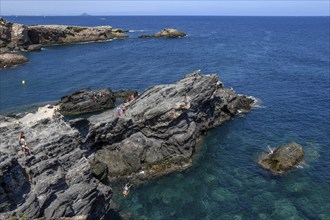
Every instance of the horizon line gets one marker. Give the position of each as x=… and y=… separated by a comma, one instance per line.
x=82, y=15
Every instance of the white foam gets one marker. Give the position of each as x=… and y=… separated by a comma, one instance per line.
x=133, y=31
x=260, y=106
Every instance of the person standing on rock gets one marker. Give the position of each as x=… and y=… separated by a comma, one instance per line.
x=123, y=109
x=23, y=145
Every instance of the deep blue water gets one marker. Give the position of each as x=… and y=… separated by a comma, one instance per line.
x=284, y=61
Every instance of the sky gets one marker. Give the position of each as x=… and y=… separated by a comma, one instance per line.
x=169, y=7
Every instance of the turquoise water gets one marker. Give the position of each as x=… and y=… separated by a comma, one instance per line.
x=284, y=61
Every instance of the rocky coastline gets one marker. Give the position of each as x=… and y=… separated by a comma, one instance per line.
x=17, y=37
x=76, y=161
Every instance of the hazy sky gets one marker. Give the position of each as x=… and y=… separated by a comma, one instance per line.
x=171, y=7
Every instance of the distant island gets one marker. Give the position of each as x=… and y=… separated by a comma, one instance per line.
x=85, y=14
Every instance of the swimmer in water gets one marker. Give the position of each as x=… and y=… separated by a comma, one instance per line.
x=126, y=189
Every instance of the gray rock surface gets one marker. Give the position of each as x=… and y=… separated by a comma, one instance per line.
x=75, y=161
x=87, y=100
x=159, y=132
x=56, y=181
x=282, y=158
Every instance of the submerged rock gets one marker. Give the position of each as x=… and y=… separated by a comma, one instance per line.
x=86, y=101
x=146, y=36
x=283, y=158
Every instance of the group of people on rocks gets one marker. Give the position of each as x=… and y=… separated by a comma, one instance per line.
x=98, y=95
x=121, y=109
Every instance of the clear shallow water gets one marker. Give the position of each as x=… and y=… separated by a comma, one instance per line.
x=284, y=61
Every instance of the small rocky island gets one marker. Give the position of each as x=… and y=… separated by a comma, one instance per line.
x=282, y=158
x=165, y=33
x=17, y=37
x=76, y=161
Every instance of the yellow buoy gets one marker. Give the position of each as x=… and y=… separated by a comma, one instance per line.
x=23, y=82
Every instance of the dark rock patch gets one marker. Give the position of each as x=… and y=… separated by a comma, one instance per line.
x=87, y=100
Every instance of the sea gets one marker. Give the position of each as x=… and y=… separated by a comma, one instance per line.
x=281, y=61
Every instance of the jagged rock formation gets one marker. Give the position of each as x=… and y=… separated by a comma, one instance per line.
x=160, y=131
x=74, y=161
x=12, y=59
x=13, y=36
x=165, y=33
x=18, y=37
x=55, y=182
x=283, y=158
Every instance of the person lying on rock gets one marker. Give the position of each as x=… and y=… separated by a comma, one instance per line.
x=126, y=189
x=23, y=145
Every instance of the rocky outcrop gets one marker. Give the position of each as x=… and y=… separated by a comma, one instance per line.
x=74, y=161
x=87, y=100
x=283, y=158
x=165, y=33
x=56, y=181
x=161, y=127
x=61, y=34
x=170, y=33
x=13, y=36
x=34, y=47
x=12, y=59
